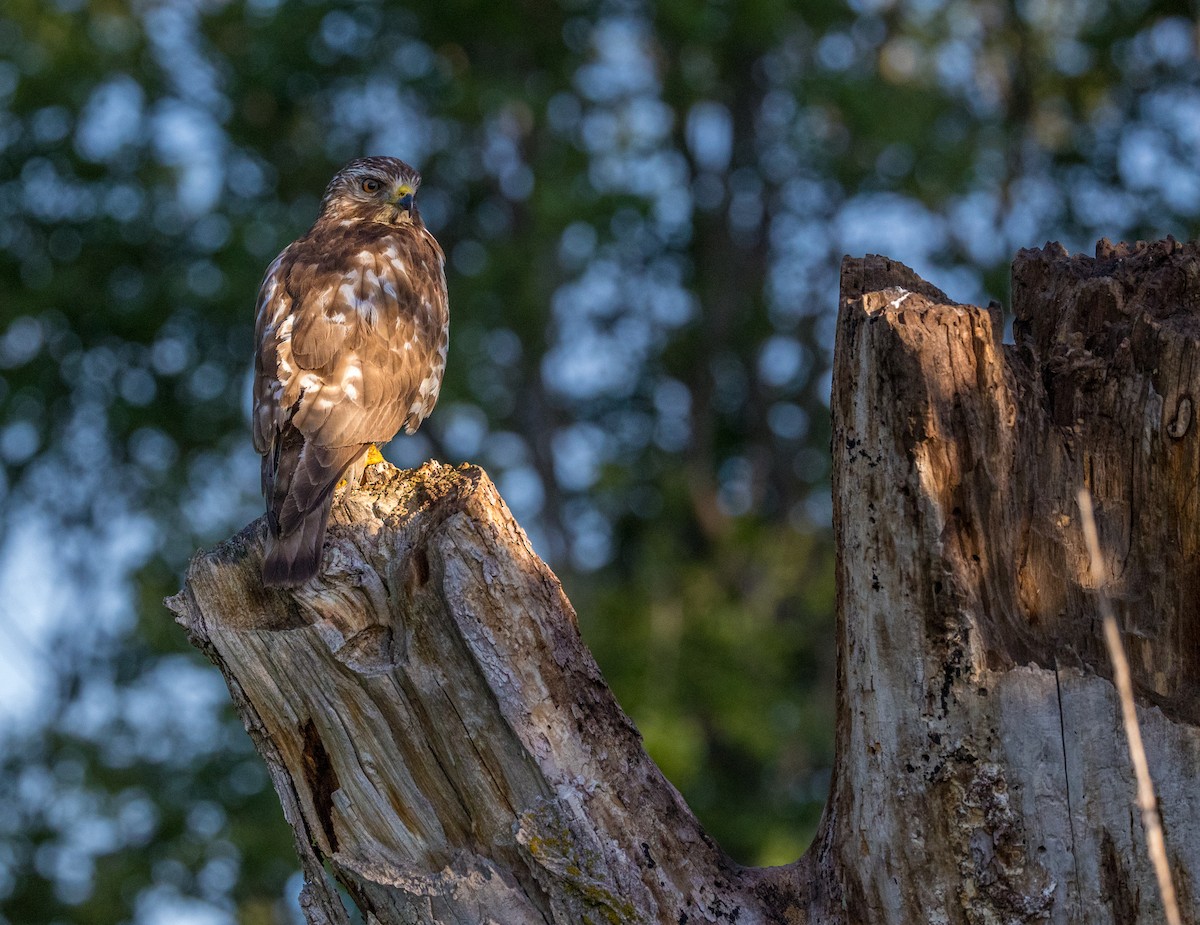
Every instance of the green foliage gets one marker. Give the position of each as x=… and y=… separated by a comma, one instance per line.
x=644, y=205
x=723, y=658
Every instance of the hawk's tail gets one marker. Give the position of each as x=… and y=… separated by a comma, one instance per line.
x=293, y=558
x=298, y=481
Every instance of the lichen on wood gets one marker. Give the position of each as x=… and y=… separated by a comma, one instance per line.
x=441, y=738
x=444, y=737
x=979, y=742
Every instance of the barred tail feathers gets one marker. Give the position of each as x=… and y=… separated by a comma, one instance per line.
x=292, y=559
x=298, y=481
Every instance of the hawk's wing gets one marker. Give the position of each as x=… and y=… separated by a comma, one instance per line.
x=351, y=347
x=352, y=333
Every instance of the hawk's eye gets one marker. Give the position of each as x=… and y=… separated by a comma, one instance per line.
x=370, y=185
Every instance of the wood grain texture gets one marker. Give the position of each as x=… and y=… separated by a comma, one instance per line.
x=441, y=738
x=983, y=774
x=438, y=731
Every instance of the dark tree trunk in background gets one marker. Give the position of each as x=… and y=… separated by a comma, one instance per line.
x=441, y=737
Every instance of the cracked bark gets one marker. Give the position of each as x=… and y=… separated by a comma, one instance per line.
x=442, y=739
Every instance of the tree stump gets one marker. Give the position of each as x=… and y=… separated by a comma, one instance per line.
x=440, y=736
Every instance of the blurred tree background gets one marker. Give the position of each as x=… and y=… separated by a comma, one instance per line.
x=644, y=206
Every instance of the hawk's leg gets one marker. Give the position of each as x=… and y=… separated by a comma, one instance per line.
x=369, y=458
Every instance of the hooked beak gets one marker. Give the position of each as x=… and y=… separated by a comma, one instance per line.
x=404, y=198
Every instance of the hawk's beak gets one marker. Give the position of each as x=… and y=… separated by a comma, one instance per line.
x=404, y=198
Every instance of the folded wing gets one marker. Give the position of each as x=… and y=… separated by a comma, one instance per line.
x=351, y=347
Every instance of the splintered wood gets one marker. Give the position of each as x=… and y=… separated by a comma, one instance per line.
x=436, y=729
x=983, y=772
x=443, y=743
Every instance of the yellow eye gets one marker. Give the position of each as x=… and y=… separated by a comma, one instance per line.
x=370, y=185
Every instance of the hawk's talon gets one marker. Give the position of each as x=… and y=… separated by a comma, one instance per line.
x=371, y=457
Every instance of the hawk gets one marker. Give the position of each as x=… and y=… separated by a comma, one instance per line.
x=351, y=329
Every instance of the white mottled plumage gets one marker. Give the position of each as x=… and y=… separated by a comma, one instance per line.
x=352, y=332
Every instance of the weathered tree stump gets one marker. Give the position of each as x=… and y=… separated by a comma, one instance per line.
x=439, y=734
x=436, y=728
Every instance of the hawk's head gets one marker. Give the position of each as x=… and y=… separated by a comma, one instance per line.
x=373, y=189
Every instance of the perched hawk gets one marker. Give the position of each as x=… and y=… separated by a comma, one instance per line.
x=352, y=325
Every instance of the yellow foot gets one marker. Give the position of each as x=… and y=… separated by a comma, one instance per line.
x=370, y=458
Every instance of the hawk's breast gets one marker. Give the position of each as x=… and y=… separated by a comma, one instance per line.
x=358, y=331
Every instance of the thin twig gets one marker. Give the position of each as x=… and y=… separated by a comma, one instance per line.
x=1146, y=801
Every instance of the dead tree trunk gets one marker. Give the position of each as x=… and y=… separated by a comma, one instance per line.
x=440, y=736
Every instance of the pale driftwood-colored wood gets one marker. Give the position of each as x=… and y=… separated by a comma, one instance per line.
x=441, y=738
x=436, y=728
x=983, y=774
